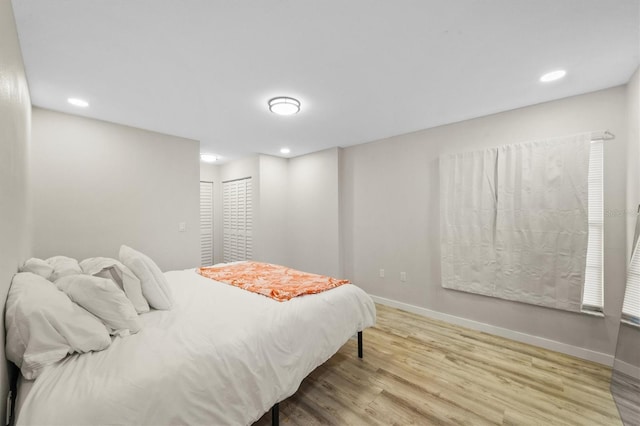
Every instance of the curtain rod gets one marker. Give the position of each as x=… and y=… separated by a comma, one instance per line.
x=602, y=136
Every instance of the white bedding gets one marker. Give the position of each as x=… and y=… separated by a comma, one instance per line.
x=221, y=356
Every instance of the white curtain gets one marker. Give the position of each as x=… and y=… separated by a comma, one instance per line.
x=468, y=219
x=519, y=230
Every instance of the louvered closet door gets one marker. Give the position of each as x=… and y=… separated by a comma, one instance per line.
x=206, y=223
x=237, y=220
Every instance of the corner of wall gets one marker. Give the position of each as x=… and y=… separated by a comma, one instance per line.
x=15, y=137
x=209, y=172
x=341, y=220
x=313, y=220
x=633, y=155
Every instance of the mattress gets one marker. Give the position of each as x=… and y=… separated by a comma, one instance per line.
x=221, y=356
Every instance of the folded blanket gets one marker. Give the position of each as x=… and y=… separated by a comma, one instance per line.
x=274, y=281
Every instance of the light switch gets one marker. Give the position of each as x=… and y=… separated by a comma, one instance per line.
x=403, y=276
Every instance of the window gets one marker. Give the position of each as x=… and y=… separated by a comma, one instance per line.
x=237, y=218
x=206, y=223
x=592, y=297
x=631, y=305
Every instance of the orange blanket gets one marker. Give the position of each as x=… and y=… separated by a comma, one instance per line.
x=274, y=281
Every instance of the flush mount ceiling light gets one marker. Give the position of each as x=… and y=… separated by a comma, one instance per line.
x=208, y=158
x=78, y=102
x=283, y=105
x=553, y=75
x=285, y=150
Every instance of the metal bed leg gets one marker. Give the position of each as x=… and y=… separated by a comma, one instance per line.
x=275, y=414
x=275, y=410
x=13, y=393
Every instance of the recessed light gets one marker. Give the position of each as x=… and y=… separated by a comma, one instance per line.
x=285, y=150
x=208, y=158
x=553, y=75
x=78, y=102
x=283, y=105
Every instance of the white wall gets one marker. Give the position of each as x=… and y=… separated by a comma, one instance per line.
x=97, y=185
x=272, y=226
x=633, y=156
x=209, y=172
x=15, y=130
x=390, y=215
x=313, y=223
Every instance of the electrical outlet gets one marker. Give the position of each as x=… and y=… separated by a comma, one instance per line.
x=403, y=276
x=381, y=273
x=182, y=226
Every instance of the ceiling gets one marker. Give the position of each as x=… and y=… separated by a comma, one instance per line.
x=362, y=69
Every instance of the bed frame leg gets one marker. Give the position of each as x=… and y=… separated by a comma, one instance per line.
x=275, y=414
x=13, y=392
x=275, y=410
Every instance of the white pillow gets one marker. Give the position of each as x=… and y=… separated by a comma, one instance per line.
x=44, y=325
x=154, y=284
x=125, y=279
x=104, y=299
x=62, y=266
x=38, y=267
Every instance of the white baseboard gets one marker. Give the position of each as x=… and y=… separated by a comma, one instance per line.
x=564, y=348
x=628, y=369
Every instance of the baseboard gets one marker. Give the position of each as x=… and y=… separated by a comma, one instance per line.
x=553, y=345
x=628, y=369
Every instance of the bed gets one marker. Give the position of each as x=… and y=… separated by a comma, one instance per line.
x=221, y=355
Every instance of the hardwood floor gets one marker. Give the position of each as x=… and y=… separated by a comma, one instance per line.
x=425, y=372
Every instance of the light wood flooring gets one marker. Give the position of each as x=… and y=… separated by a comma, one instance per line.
x=420, y=371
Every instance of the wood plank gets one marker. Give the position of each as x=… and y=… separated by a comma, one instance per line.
x=426, y=372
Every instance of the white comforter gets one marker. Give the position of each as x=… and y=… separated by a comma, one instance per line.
x=221, y=356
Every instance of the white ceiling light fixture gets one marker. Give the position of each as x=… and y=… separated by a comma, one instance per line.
x=553, y=76
x=78, y=102
x=285, y=150
x=208, y=158
x=283, y=105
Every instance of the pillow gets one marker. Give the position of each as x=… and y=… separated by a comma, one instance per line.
x=155, y=287
x=62, y=266
x=104, y=299
x=38, y=267
x=44, y=325
x=125, y=279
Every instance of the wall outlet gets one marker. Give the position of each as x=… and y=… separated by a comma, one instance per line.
x=403, y=276
x=381, y=273
x=182, y=226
